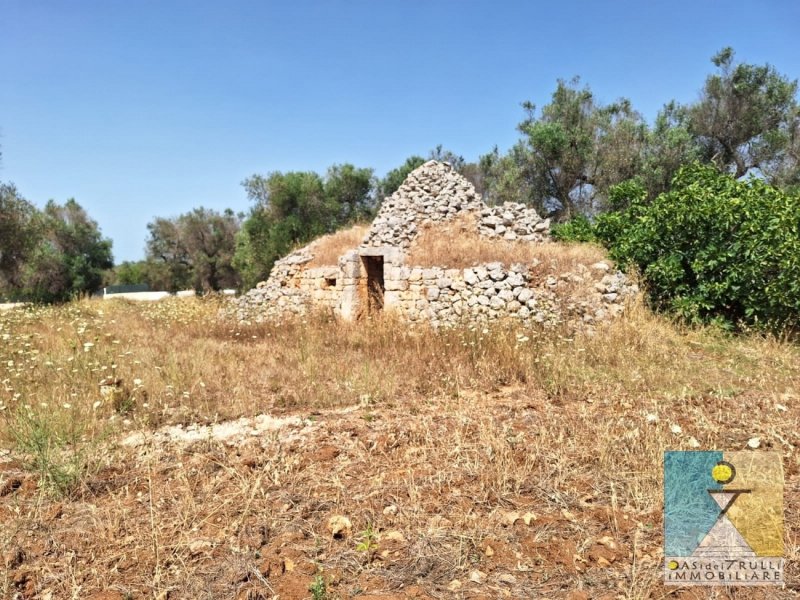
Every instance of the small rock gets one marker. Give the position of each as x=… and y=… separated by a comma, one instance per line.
x=507, y=578
x=454, y=585
x=754, y=442
x=393, y=536
x=199, y=546
x=477, y=576
x=339, y=526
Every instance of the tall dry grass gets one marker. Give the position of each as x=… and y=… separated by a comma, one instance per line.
x=457, y=245
x=176, y=361
x=329, y=248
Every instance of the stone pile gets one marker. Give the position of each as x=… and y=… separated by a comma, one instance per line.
x=432, y=193
x=513, y=221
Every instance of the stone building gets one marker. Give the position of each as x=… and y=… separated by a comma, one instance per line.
x=386, y=272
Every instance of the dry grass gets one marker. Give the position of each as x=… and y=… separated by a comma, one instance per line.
x=457, y=245
x=329, y=248
x=431, y=439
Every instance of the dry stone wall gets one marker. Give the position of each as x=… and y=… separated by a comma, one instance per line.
x=520, y=291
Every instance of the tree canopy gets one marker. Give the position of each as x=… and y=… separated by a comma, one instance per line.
x=50, y=255
x=194, y=250
x=746, y=118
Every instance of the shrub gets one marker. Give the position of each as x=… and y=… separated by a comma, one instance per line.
x=577, y=229
x=714, y=248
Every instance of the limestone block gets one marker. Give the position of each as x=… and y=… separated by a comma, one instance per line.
x=497, y=303
x=515, y=279
x=432, y=293
x=506, y=295
x=396, y=285
x=452, y=273
x=470, y=277
x=524, y=295
x=444, y=283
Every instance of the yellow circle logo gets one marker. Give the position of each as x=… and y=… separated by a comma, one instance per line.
x=673, y=564
x=723, y=472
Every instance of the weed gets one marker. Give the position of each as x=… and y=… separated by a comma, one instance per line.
x=53, y=447
x=319, y=589
x=368, y=540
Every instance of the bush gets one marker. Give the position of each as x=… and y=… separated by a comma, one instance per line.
x=577, y=229
x=714, y=248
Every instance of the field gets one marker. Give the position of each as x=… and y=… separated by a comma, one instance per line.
x=136, y=460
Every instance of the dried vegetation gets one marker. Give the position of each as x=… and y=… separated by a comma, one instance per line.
x=456, y=244
x=465, y=463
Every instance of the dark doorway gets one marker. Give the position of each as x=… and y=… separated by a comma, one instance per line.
x=375, y=288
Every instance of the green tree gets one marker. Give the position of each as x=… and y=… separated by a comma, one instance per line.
x=505, y=177
x=289, y=209
x=130, y=273
x=352, y=189
x=577, y=148
x=70, y=257
x=170, y=264
x=670, y=145
x=20, y=230
x=747, y=119
x=193, y=250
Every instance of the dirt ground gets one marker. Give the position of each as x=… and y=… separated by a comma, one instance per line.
x=445, y=498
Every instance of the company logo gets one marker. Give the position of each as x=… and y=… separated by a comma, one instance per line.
x=723, y=518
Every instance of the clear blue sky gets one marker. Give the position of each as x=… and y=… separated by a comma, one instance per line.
x=145, y=108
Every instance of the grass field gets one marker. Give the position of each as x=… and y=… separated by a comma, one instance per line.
x=397, y=463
